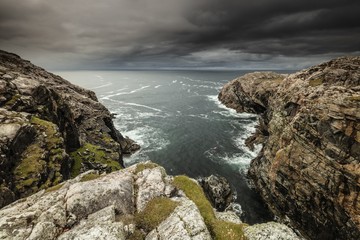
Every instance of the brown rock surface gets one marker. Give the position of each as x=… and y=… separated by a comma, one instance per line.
x=308, y=169
x=50, y=130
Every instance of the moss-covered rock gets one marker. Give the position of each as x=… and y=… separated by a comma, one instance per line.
x=221, y=230
x=46, y=125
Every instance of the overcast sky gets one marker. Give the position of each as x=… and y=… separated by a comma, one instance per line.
x=214, y=34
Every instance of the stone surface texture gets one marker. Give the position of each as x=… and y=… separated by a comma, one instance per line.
x=308, y=169
x=79, y=209
x=218, y=191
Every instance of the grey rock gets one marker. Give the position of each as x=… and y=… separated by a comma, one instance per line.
x=184, y=223
x=218, y=191
x=270, y=231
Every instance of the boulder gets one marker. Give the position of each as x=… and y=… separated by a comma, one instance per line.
x=218, y=191
x=270, y=231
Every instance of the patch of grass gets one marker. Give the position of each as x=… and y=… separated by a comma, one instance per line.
x=147, y=165
x=52, y=140
x=92, y=153
x=156, y=211
x=27, y=172
x=219, y=229
x=54, y=188
x=315, y=82
x=13, y=100
x=107, y=138
x=89, y=177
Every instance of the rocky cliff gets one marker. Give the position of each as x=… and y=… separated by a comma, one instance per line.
x=139, y=202
x=308, y=170
x=50, y=130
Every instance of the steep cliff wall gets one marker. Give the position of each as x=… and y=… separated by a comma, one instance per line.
x=308, y=169
x=50, y=130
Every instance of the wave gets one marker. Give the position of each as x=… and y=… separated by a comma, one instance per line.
x=101, y=86
x=125, y=93
x=150, y=139
x=132, y=104
x=245, y=125
x=228, y=112
x=157, y=86
x=100, y=77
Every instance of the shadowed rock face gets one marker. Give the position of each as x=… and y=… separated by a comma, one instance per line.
x=50, y=130
x=308, y=169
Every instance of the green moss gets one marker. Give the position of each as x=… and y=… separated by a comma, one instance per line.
x=221, y=230
x=27, y=172
x=315, y=82
x=52, y=140
x=75, y=170
x=147, y=165
x=89, y=177
x=13, y=100
x=156, y=211
x=107, y=138
x=92, y=153
x=54, y=188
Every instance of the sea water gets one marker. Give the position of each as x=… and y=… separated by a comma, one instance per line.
x=177, y=119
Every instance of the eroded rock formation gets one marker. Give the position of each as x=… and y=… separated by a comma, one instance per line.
x=121, y=205
x=50, y=130
x=308, y=169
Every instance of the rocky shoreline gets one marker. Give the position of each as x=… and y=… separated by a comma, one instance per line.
x=308, y=170
x=62, y=176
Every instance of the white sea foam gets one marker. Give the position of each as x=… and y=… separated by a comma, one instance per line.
x=100, y=77
x=157, y=86
x=101, y=86
x=132, y=104
x=247, y=127
x=125, y=93
x=227, y=112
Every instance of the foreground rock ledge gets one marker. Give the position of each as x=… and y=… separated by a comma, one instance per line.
x=106, y=208
x=308, y=170
x=50, y=130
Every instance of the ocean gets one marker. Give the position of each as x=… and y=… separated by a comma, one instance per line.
x=177, y=119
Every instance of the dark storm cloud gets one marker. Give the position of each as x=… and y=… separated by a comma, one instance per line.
x=174, y=33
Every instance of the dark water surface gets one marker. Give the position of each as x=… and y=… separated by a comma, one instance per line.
x=176, y=118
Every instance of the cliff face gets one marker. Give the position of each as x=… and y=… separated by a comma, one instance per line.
x=308, y=169
x=50, y=130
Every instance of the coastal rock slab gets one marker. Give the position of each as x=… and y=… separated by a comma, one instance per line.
x=185, y=223
x=270, y=231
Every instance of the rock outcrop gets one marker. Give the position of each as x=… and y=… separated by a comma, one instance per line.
x=308, y=169
x=139, y=202
x=218, y=191
x=50, y=130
